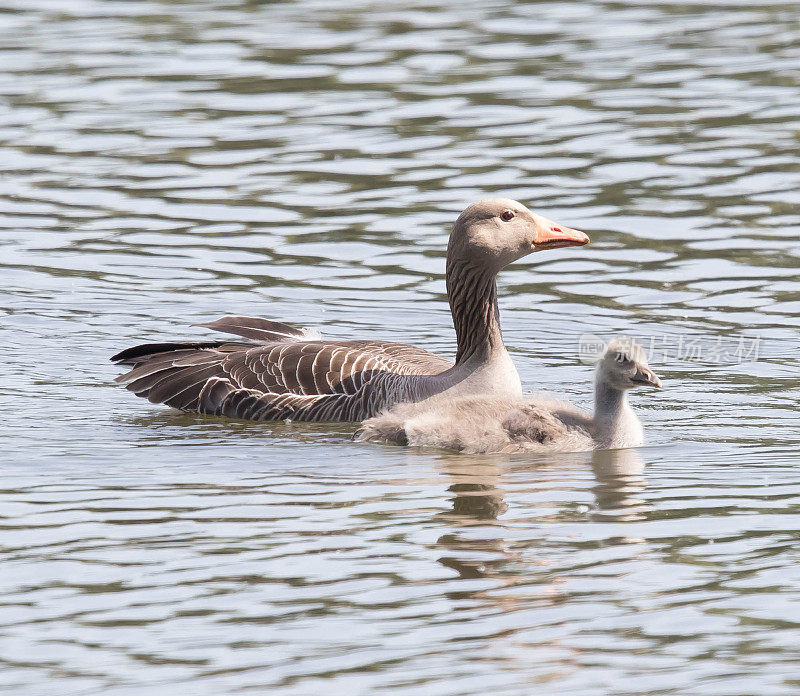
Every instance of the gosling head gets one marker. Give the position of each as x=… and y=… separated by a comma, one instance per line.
x=624, y=366
x=497, y=231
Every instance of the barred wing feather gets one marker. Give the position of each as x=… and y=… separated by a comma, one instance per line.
x=283, y=375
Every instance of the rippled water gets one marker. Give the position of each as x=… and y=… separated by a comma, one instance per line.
x=164, y=163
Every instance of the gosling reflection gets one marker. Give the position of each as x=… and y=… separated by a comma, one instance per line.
x=476, y=496
x=476, y=502
x=620, y=479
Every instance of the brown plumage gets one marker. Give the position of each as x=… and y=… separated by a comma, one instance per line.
x=285, y=373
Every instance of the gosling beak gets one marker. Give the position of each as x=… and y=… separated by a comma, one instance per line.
x=551, y=235
x=646, y=377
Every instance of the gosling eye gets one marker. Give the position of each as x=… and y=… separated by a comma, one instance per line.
x=507, y=215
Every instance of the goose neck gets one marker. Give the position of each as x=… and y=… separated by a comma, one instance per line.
x=472, y=293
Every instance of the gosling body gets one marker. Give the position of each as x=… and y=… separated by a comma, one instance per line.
x=477, y=424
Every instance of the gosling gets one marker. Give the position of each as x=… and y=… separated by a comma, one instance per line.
x=483, y=424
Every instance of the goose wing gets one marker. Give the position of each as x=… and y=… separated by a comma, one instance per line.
x=286, y=372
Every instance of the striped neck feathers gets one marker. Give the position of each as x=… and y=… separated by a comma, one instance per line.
x=472, y=293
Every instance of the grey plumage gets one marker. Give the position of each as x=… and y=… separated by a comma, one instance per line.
x=481, y=424
x=278, y=379
x=286, y=373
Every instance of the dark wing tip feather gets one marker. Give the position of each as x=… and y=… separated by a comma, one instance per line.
x=131, y=354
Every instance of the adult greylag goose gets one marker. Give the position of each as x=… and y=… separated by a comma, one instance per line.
x=286, y=374
x=482, y=424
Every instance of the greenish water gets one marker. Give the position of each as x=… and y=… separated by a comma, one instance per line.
x=164, y=163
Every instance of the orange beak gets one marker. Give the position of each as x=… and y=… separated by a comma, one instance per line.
x=551, y=235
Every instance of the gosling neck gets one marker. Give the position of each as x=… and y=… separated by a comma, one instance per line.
x=472, y=293
x=615, y=423
x=609, y=402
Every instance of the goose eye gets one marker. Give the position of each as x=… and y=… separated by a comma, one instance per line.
x=507, y=215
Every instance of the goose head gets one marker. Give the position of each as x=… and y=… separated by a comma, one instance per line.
x=494, y=232
x=624, y=366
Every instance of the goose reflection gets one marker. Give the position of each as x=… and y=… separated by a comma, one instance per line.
x=478, y=501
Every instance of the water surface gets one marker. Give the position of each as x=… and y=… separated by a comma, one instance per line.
x=164, y=163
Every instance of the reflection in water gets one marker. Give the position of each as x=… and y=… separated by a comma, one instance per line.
x=478, y=500
x=474, y=485
x=620, y=478
x=161, y=426
x=477, y=496
x=165, y=163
